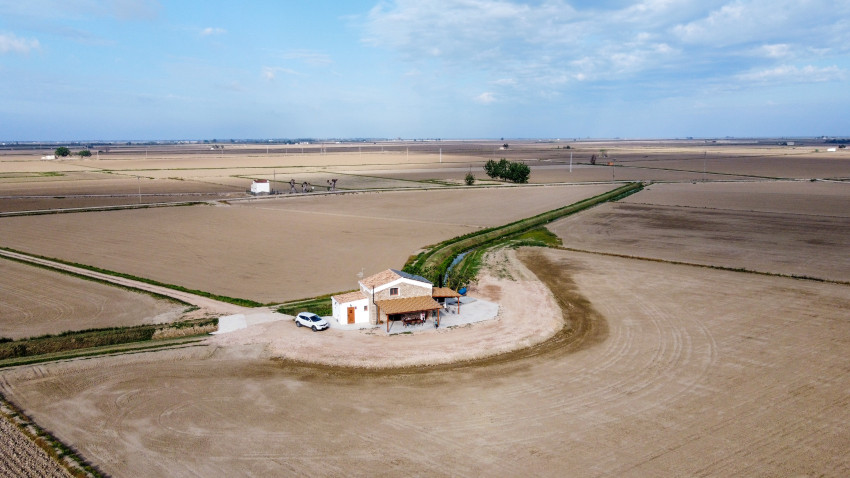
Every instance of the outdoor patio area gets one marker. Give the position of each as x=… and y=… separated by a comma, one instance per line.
x=471, y=310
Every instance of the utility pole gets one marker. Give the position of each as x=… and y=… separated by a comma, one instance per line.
x=704, y=154
x=139, y=182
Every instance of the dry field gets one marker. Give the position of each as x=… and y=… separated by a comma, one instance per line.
x=278, y=249
x=36, y=301
x=20, y=457
x=702, y=372
x=181, y=169
x=801, y=231
x=786, y=197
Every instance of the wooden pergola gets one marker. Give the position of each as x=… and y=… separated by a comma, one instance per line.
x=408, y=305
x=446, y=293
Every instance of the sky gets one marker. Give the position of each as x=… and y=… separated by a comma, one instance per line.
x=82, y=70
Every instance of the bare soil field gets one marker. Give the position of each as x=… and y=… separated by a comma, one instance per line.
x=701, y=372
x=813, y=244
x=785, y=197
x=278, y=249
x=801, y=166
x=20, y=457
x=23, y=192
x=181, y=169
x=37, y=301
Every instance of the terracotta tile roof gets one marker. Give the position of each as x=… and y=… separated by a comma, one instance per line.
x=444, y=292
x=388, y=276
x=380, y=278
x=407, y=304
x=349, y=297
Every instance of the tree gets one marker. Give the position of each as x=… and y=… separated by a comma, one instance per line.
x=507, y=171
x=84, y=153
x=490, y=168
x=518, y=173
x=469, y=179
x=62, y=152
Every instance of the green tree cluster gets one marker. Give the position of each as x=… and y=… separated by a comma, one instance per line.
x=62, y=152
x=507, y=170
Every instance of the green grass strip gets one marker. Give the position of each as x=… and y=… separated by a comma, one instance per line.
x=146, y=346
x=89, y=338
x=433, y=263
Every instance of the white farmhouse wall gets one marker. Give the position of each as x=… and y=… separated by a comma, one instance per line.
x=258, y=188
x=361, y=311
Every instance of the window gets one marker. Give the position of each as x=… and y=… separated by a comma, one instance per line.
x=393, y=291
x=365, y=307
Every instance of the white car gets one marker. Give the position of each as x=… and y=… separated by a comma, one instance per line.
x=309, y=319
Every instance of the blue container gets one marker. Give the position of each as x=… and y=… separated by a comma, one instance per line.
x=462, y=291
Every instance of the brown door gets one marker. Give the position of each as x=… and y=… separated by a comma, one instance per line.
x=351, y=315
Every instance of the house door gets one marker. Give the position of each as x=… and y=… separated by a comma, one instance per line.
x=351, y=315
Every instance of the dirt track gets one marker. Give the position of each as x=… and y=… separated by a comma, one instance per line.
x=701, y=373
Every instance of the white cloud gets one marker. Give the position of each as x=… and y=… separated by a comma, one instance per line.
x=9, y=43
x=310, y=57
x=269, y=73
x=778, y=50
x=793, y=74
x=485, y=98
x=213, y=31
x=551, y=46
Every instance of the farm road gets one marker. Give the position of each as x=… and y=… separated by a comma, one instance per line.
x=209, y=305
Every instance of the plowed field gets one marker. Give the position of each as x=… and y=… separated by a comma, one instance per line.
x=36, y=301
x=701, y=372
x=274, y=250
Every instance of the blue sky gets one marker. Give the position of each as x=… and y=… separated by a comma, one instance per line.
x=148, y=69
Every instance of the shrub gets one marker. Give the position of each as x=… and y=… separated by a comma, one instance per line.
x=469, y=179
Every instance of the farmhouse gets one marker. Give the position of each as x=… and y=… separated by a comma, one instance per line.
x=260, y=186
x=387, y=296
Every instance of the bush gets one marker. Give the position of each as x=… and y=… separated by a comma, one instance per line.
x=469, y=179
x=84, y=153
x=62, y=152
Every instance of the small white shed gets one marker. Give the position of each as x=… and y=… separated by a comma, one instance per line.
x=351, y=308
x=261, y=186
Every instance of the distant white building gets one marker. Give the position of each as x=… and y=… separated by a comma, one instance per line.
x=261, y=186
x=49, y=156
x=831, y=150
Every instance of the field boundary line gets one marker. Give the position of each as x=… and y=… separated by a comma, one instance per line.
x=197, y=298
x=706, y=266
x=9, y=257
x=724, y=209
